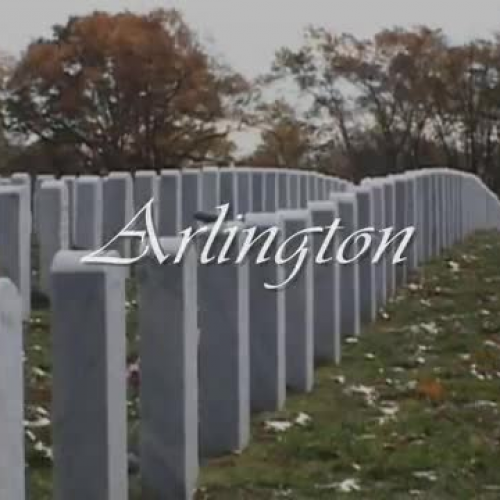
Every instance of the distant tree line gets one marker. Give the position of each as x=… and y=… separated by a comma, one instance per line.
x=400, y=100
x=126, y=92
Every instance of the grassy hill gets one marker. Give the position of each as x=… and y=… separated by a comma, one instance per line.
x=412, y=412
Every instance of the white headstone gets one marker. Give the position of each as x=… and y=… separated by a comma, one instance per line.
x=267, y=321
x=169, y=339
x=12, y=462
x=299, y=307
x=89, y=397
x=224, y=351
x=89, y=212
x=53, y=224
x=15, y=241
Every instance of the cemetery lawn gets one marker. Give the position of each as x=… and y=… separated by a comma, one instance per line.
x=412, y=412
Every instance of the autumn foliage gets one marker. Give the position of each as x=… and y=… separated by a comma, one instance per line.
x=431, y=390
x=125, y=91
x=128, y=91
x=407, y=97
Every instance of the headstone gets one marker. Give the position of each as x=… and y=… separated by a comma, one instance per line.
x=390, y=222
x=467, y=213
x=299, y=307
x=412, y=210
x=23, y=179
x=439, y=212
x=454, y=223
x=454, y=190
x=257, y=179
x=400, y=204
x=322, y=188
x=282, y=178
x=169, y=338
x=421, y=230
x=303, y=187
x=191, y=197
x=340, y=186
x=244, y=186
x=476, y=205
x=53, y=223
x=367, y=288
x=224, y=351
x=327, y=346
x=434, y=207
x=348, y=273
x=170, y=198
x=118, y=210
x=271, y=191
x=267, y=322
x=311, y=187
x=12, y=462
x=89, y=394
x=329, y=183
x=427, y=216
x=15, y=241
x=462, y=190
x=41, y=178
x=318, y=188
x=378, y=223
x=210, y=189
x=229, y=191
x=146, y=187
x=448, y=204
x=293, y=190
x=70, y=181
x=89, y=210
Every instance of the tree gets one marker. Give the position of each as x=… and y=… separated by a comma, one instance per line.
x=465, y=96
x=366, y=91
x=313, y=69
x=285, y=139
x=124, y=91
x=6, y=151
x=394, y=85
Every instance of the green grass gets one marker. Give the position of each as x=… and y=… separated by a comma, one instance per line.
x=412, y=412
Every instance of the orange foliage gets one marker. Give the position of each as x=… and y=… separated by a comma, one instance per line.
x=122, y=86
x=431, y=389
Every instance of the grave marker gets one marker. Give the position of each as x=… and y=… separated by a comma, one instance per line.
x=15, y=241
x=169, y=338
x=89, y=380
x=348, y=273
x=327, y=345
x=54, y=229
x=118, y=209
x=299, y=309
x=170, y=201
x=89, y=213
x=267, y=322
x=12, y=462
x=223, y=297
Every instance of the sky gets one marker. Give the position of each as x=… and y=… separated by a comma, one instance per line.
x=248, y=32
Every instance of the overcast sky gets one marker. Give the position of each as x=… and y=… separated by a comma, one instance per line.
x=248, y=32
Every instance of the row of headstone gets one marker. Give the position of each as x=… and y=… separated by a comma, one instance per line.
x=180, y=194
x=88, y=211
x=215, y=343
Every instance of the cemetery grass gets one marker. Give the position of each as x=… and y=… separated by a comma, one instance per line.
x=413, y=411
